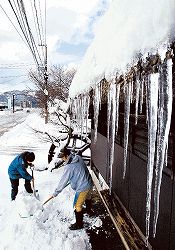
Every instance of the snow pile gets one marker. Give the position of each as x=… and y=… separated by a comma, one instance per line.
x=26, y=205
x=16, y=136
x=128, y=29
x=98, y=223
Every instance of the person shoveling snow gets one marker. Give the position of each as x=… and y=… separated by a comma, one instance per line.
x=77, y=175
x=17, y=170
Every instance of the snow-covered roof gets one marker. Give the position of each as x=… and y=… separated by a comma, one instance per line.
x=128, y=29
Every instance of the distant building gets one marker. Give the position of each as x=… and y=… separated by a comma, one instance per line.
x=3, y=105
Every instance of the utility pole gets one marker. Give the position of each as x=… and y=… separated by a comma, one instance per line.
x=46, y=85
x=46, y=91
x=13, y=103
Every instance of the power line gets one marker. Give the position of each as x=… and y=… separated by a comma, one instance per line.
x=18, y=20
x=20, y=14
x=34, y=20
x=16, y=64
x=19, y=10
x=36, y=14
x=11, y=76
x=45, y=22
x=13, y=25
x=30, y=33
x=15, y=67
x=12, y=80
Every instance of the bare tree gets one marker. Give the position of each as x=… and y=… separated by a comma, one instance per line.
x=61, y=78
x=58, y=82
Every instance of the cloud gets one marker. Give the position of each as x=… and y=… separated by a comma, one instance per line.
x=60, y=22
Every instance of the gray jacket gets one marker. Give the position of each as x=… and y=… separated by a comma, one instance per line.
x=76, y=174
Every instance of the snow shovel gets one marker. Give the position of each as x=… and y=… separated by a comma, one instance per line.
x=33, y=183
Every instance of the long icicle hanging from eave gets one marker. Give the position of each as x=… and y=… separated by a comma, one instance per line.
x=96, y=104
x=112, y=131
x=152, y=99
x=164, y=121
x=80, y=108
x=127, y=102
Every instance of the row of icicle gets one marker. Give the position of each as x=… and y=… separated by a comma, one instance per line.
x=158, y=88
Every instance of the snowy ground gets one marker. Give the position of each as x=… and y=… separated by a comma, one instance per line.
x=47, y=229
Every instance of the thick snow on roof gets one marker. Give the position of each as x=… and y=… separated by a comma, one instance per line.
x=127, y=29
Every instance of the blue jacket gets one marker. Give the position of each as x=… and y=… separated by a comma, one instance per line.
x=17, y=169
x=76, y=174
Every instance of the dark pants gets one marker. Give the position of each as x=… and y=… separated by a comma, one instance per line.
x=15, y=184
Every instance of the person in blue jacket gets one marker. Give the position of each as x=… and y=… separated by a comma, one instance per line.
x=17, y=170
x=77, y=175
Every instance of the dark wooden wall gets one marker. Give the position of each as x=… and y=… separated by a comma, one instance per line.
x=132, y=191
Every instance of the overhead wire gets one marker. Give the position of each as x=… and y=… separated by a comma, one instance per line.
x=20, y=14
x=11, y=76
x=41, y=21
x=37, y=33
x=12, y=80
x=30, y=33
x=22, y=20
x=25, y=34
x=39, y=29
x=45, y=23
x=36, y=14
x=13, y=25
x=31, y=36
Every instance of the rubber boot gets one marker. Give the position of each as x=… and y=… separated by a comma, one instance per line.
x=88, y=209
x=79, y=221
x=88, y=204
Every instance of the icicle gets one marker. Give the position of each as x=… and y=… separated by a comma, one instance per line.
x=112, y=131
x=141, y=96
x=71, y=105
x=79, y=112
x=82, y=116
x=83, y=113
x=132, y=86
x=97, y=100
x=76, y=109
x=117, y=107
x=152, y=99
x=87, y=112
x=137, y=98
x=146, y=90
x=108, y=129
x=166, y=156
x=108, y=112
x=126, y=123
x=101, y=90
x=115, y=92
x=165, y=109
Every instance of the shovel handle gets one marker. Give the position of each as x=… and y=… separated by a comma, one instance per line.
x=51, y=197
x=33, y=183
